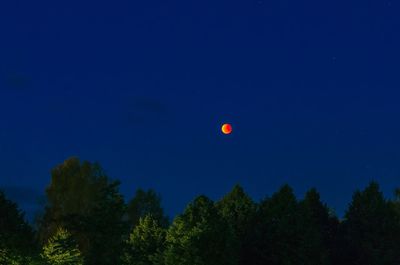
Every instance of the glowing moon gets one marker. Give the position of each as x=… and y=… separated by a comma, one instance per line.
x=226, y=128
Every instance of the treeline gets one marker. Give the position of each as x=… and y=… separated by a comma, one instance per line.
x=86, y=221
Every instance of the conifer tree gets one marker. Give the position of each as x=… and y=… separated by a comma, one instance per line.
x=146, y=203
x=61, y=249
x=278, y=229
x=317, y=228
x=371, y=229
x=238, y=210
x=146, y=243
x=16, y=235
x=200, y=236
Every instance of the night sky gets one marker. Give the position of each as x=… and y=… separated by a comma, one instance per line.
x=143, y=87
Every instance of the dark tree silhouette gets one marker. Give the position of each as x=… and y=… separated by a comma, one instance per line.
x=371, y=229
x=200, y=236
x=318, y=230
x=238, y=209
x=83, y=200
x=278, y=230
x=16, y=235
x=146, y=203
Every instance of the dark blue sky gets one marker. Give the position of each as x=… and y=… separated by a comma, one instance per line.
x=311, y=88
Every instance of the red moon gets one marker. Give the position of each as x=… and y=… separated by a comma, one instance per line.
x=226, y=128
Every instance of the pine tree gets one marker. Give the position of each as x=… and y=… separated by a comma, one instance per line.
x=200, y=236
x=105, y=228
x=61, y=249
x=146, y=203
x=16, y=235
x=146, y=243
x=238, y=210
x=396, y=201
x=371, y=229
x=317, y=228
x=278, y=229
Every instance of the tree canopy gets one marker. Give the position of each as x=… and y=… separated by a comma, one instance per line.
x=238, y=210
x=146, y=203
x=146, y=243
x=86, y=221
x=87, y=203
x=200, y=236
x=16, y=234
x=371, y=229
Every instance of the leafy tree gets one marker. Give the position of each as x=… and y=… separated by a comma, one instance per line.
x=61, y=249
x=200, y=236
x=82, y=199
x=7, y=257
x=146, y=243
x=16, y=235
x=371, y=229
x=238, y=210
x=146, y=203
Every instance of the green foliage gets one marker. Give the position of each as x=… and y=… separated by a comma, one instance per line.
x=105, y=228
x=73, y=192
x=371, y=229
x=16, y=235
x=278, y=229
x=146, y=243
x=291, y=232
x=317, y=227
x=82, y=199
x=235, y=231
x=238, y=210
x=61, y=249
x=200, y=236
x=396, y=202
x=9, y=258
x=146, y=203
